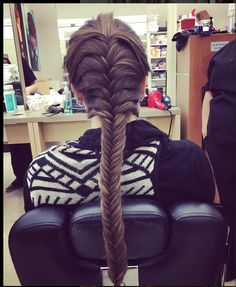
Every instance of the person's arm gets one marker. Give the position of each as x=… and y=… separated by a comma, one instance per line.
x=32, y=88
x=217, y=196
x=28, y=204
x=205, y=112
x=205, y=116
x=30, y=78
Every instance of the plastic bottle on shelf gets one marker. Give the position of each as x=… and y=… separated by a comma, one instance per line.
x=163, y=91
x=10, y=99
x=67, y=100
x=231, y=18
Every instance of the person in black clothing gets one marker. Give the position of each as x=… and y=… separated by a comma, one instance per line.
x=30, y=78
x=219, y=136
x=21, y=155
x=121, y=156
x=30, y=82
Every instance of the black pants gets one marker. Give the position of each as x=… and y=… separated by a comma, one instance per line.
x=223, y=160
x=21, y=157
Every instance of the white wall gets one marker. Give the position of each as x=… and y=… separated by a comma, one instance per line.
x=67, y=11
x=9, y=49
x=218, y=11
x=8, y=43
x=6, y=11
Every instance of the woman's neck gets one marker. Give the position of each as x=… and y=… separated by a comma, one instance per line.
x=96, y=122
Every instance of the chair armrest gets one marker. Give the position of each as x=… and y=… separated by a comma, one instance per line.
x=38, y=242
x=199, y=231
x=40, y=217
x=190, y=210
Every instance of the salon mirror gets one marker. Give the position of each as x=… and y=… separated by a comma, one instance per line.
x=36, y=39
x=45, y=30
x=54, y=24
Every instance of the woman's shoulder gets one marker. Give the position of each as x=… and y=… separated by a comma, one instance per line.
x=184, y=173
x=68, y=151
x=181, y=148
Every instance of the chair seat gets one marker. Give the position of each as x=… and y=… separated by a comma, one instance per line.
x=182, y=244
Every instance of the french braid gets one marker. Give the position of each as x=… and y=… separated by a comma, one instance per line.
x=106, y=63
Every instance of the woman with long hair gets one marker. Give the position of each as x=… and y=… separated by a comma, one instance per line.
x=121, y=156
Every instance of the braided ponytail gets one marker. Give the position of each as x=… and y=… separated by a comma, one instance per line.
x=106, y=63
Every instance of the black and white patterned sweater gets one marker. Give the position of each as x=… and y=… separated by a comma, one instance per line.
x=153, y=165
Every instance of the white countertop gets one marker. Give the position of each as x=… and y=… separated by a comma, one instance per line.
x=38, y=116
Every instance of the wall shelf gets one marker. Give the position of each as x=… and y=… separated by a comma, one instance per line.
x=153, y=50
x=156, y=58
x=158, y=32
x=158, y=45
x=159, y=79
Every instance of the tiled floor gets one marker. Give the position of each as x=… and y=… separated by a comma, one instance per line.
x=13, y=209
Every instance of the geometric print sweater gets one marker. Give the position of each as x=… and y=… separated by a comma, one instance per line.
x=67, y=174
x=153, y=165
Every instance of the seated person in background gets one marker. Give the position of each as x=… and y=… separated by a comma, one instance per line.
x=31, y=86
x=21, y=155
x=122, y=155
x=30, y=80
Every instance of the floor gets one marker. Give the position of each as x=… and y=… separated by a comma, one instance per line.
x=13, y=209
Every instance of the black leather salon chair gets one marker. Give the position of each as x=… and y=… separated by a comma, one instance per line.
x=182, y=245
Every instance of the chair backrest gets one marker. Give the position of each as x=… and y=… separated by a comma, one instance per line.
x=180, y=245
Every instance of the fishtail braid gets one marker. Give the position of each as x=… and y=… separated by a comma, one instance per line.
x=106, y=63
